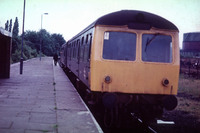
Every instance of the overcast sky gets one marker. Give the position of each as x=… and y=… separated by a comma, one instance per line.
x=68, y=17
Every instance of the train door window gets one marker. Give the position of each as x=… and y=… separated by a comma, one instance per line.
x=82, y=49
x=82, y=41
x=85, y=53
x=156, y=48
x=74, y=50
x=75, y=53
x=119, y=46
x=87, y=48
x=86, y=41
x=90, y=43
x=64, y=49
x=69, y=53
x=78, y=49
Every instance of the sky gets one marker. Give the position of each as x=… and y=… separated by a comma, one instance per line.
x=69, y=17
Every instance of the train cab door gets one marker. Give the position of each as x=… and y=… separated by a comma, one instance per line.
x=87, y=63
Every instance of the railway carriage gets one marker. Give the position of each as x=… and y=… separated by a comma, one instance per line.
x=127, y=58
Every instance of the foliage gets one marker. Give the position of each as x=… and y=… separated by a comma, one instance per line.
x=10, y=25
x=50, y=43
x=16, y=28
x=6, y=25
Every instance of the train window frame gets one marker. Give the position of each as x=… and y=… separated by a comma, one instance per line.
x=78, y=49
x=158, y=59
x=73, y=50
x=70, y=49
x=86, y=41
x=87, y=48
x=90, y=45
x=106, y=37
x=82, y=40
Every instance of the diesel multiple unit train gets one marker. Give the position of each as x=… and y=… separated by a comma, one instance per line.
x=127, y=59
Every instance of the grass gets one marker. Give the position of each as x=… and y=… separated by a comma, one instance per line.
x=189, y=95
x=189, y=86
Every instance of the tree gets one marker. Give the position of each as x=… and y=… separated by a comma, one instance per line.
x=6, y=25
x=10, y=26
x=16, y=28
x=50, y=43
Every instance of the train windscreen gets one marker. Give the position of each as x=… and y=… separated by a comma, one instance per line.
x=119, y=46
x=156, y=48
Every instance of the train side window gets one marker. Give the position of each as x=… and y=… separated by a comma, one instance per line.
x=82, y=49
x=156, y=48
x=69, y=53
x=72, y=54
x=67, y=50
x=70, y=49
x=75, y=49
x=82, y=41
x=86, y=41
x=90, y=43
x=119, y=46
x=78, y=49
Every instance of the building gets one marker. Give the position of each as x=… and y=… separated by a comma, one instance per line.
x=191, y=45
x=5, y=52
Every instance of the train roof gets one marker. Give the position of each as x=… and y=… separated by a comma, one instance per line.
x=125, y=17
x=134, y=19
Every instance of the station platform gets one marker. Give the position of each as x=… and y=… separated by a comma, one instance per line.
x=42, y=100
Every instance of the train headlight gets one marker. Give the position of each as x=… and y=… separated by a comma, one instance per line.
x=165, y=82
x=107, y=79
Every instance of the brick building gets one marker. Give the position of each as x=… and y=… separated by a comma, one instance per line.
x=191, y=45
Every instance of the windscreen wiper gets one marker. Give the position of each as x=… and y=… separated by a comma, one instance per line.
x=149, y=41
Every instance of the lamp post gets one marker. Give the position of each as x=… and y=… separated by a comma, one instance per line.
x=21, y=59
x=41, y=33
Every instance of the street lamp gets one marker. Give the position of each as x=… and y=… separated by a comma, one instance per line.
x=21, y=59
x=41, y=33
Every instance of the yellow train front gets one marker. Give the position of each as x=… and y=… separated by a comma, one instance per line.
x=133, y=62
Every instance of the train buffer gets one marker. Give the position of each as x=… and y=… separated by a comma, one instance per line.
x=42, y=99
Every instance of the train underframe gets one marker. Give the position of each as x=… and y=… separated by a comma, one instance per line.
x=118, y=105
x=115, y=106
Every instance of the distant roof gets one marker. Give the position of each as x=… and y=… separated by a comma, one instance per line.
x=4, y=32
x=191, y=37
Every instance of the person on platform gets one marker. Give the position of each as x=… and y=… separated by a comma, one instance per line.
x=55, y=58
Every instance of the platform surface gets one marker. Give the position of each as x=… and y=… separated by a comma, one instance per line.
x=42, y=100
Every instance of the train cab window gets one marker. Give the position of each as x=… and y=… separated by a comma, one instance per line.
x=156, y=48
x=119, y=46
